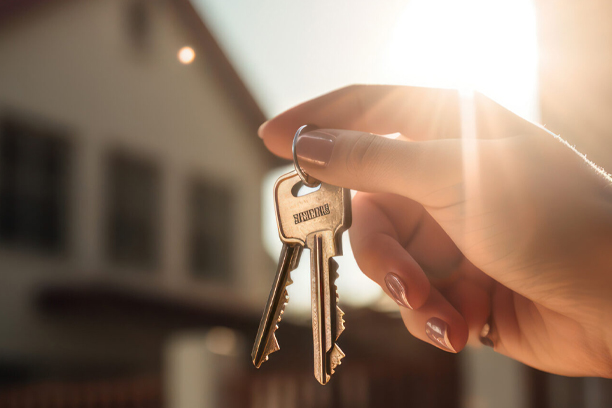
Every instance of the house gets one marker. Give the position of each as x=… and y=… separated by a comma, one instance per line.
x=129, y=187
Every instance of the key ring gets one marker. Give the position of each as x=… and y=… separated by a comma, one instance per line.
x=308, y=180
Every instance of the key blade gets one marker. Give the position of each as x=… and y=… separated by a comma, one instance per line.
x=266, y=342
x=336, y=354
x=339, y=318
x=272, y=344
x=321, y=331
x=269, y=343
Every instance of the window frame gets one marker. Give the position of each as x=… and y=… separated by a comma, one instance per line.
x=109, y=162
x=47, y=128
x=226, y=226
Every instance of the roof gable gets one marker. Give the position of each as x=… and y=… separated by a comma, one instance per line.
x=203, y=39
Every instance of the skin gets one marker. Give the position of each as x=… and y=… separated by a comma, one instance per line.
x=512, y=227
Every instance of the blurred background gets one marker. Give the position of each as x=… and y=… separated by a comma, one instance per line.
x=137, y=235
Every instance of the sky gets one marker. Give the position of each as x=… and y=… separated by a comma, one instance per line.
x=289, y=51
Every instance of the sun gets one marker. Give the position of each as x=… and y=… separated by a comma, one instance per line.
x=484, y=45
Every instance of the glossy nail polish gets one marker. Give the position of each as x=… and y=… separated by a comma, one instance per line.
x=316, y=147
x=397, y=289
x=437, y=331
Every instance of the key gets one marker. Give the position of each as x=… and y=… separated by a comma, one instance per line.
x=316, y=220
x=265, y=341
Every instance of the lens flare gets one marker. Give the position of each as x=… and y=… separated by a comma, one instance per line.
x=484, y=45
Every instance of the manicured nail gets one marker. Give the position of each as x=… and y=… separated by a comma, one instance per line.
x=316, y=147
x=437, y=331
x=397, y=289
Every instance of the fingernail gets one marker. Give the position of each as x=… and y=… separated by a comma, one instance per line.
x=261, y=129
x=486, y=342
x=316, y=147
x=437, y=331
x=484, y=333
x=486, y=329
x=397, y=289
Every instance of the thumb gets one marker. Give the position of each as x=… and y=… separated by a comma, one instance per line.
x=372, y=163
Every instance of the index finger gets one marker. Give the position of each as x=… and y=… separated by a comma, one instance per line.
x=417, y=113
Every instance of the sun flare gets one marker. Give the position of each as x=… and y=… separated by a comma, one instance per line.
x=484, y=45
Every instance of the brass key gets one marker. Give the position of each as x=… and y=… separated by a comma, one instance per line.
x=327, y=321
x=316, y=220
x=265, y=341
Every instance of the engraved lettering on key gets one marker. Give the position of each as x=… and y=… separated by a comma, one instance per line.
x=310, y=214
x=316, y=221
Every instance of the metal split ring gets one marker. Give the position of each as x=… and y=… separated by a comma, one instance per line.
x=308, y=180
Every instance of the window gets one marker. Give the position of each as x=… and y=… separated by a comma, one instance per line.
x=210, y=230
x=133, y=212
x=34, y=173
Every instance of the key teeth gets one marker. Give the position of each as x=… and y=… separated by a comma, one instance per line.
x=282, y=310
x=333, y=269
x=339, y=313
x=336, y=357
x=339, y=321
x=336, y=354
x=273, y=344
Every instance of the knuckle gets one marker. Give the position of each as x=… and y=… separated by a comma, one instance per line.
x=363, y=153
x=354, y=87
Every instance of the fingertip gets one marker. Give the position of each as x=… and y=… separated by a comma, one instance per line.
x=275, y=140
x=446, y=336
x=271, y=141
x=438, y=332
x=459, y=336
x=262, y=129
x=437, y=323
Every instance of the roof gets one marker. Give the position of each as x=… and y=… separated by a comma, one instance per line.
x=224, y=70
x=203, y=38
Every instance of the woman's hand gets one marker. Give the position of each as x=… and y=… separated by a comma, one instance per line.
x=510, y=231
